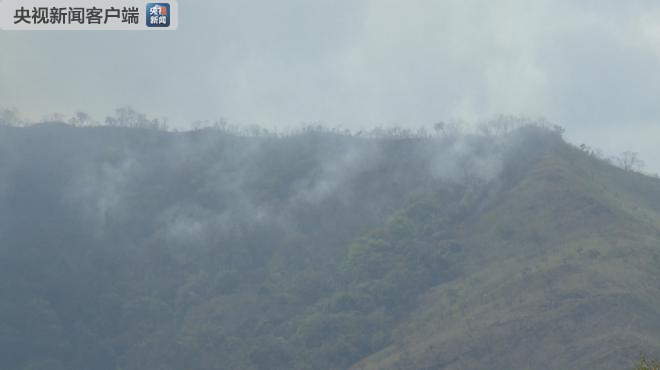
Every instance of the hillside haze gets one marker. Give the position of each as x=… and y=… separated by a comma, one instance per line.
x=133, y=248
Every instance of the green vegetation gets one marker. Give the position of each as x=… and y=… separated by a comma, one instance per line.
x=136, y=248
x=647, y=364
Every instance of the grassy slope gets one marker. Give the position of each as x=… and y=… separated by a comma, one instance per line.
x=563, y=275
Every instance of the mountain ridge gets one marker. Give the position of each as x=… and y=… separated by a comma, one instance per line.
x=142, y=249
x=559, y=279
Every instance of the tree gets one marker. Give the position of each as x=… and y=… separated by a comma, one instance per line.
x=11, y=117
x=81, y=119
x=630, y=161
x=439, y=127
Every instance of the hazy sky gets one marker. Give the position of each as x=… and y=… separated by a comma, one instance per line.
x=591, y=66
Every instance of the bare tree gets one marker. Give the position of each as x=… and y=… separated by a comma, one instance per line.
x=81, y=119
x=630, y=161
x=11, y=117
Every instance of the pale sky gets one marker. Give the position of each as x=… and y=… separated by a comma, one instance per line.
x=591, y=66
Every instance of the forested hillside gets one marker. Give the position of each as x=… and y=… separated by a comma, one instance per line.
x=139, y=248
